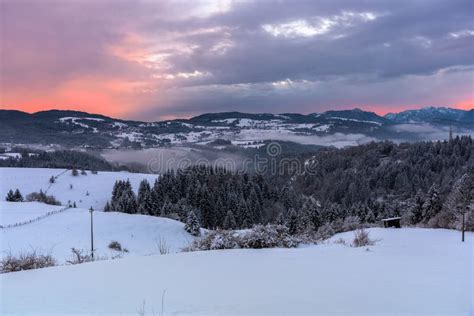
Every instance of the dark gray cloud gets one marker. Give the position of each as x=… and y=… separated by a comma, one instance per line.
x=274, y=56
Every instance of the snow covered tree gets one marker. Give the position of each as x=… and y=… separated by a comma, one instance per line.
x=460, y=199
x=14, y=196
x=192, y=224
x=18, y=197
x=417, y=209
x=229, y=221
x=107, y=207
x=280, y=219
x=292, y=223
x=432, y=205
x=74, y=172
x=143, y=190
x=244, y=215
x=10, y=196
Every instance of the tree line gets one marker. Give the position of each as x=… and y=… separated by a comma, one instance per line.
x=346, y=187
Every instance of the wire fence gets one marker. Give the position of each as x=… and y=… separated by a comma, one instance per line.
x=36, y=219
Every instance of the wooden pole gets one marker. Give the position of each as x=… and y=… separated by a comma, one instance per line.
x=462, y=228
x=92, y=233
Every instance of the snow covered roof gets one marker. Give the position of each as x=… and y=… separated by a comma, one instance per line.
x=390, y=219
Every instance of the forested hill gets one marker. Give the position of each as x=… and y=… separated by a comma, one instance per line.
x=386, y=171
x=422, y=182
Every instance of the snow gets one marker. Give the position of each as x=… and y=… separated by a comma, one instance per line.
x=10, y=155
x=227, y=121
x=73, y=120
x=17, y=212
x=407, y=272
x=323, y=128
x=58, y=233
x=119, y=124
x=132, y=136
x=390, y=219
x=355, y=120
x=99, y=185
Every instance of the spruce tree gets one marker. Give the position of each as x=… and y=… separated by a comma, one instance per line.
x=107, y=207
x=229, y=221
x=17, y=196
x=417, y=208
x=292, y=223
x=143, y=190
x=432, y=205
x=192, y=224
x=10, y=196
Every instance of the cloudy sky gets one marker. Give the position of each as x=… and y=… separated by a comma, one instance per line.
x=153, y=60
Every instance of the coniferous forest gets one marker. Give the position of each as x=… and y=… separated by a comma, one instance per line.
x=422, y=182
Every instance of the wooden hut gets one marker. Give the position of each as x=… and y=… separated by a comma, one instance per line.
x=392, y=222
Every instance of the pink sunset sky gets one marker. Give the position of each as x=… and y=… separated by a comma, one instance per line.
x=152, y=60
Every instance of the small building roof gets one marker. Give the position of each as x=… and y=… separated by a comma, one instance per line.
x=390, y=219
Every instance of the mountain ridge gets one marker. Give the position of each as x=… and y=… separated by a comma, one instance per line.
x=83, y=129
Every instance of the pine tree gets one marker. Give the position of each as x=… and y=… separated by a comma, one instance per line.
x=292, y=223
x=144, y=190
x=229, y=221
x=192, y=224
x=245, y=217
x=255, y=207
x=432, y=205
x=280, y=219
x=460, y=199
x=107, y=207
x=417, y=208
x=10, y=196
x=17, y=196
x=74, y=172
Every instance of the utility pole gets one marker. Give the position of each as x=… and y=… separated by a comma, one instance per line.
x=462, y=228
x=91, y=210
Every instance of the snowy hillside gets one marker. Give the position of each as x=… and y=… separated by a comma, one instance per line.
x=58, y=233
x=80, y=129
x=99, y=186
x=408, y=272
x=12, y=213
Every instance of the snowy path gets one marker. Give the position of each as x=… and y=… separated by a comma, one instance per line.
x=409, y=272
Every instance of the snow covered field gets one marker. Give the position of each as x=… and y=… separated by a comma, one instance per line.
x=98, y=186
x=58, y=233
x=12, y=212
x=408, y=272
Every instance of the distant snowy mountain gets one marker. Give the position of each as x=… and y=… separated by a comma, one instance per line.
x=338, y=128
x=432, y=114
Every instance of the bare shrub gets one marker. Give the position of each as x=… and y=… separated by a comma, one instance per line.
x=269, y=236
x=163, y=246
x=351, y=223
x=78, y=256
x=260, y=236
x=362, y=239
x=115, y=245
x=325, y=231
x=42, y=197
x=26, y=261
x=214, y=240
x=340, y=241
